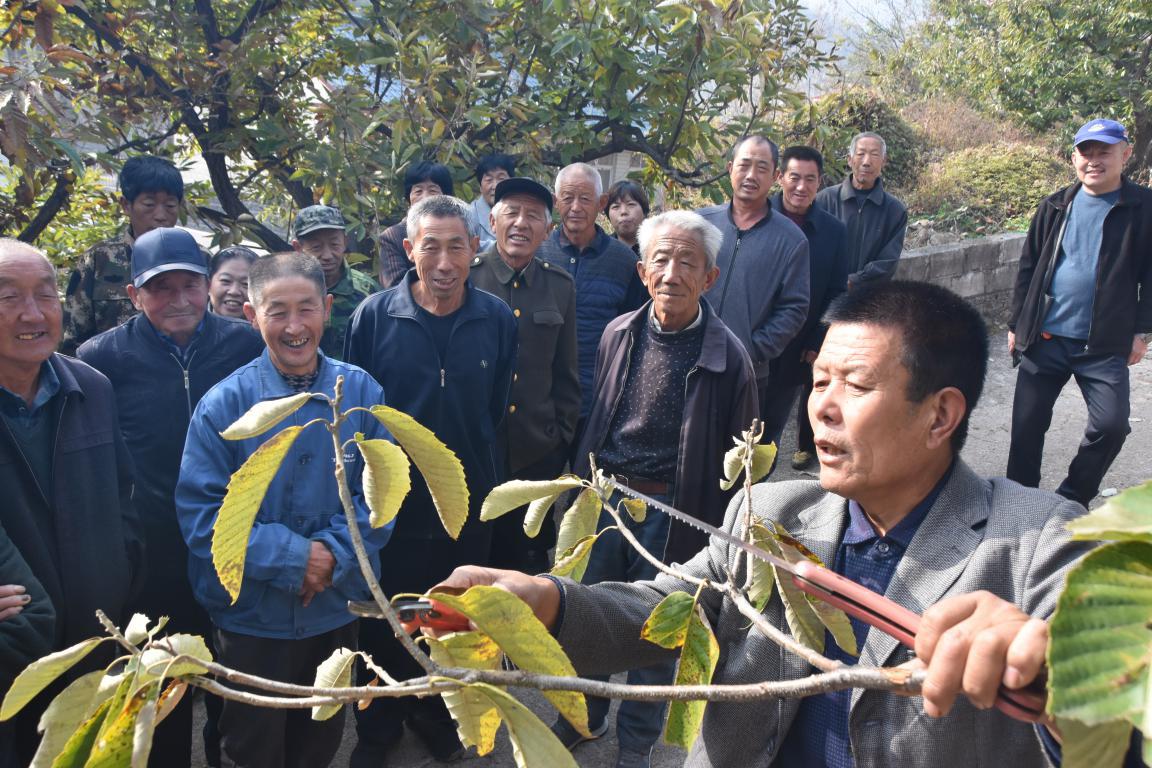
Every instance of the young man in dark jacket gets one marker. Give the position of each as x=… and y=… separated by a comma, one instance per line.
x=1081, y=308
x=160, y=363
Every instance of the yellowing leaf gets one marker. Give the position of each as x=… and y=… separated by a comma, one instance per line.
x=477, y=718
x=510, y=622
x=63, y=716
x=827, y=616
x=1093, y=746
x=573, y=562
x=246, y=491
x=733, y=466
x=386, y=478
x=78, y=747
x=636, y=509
x=142, y=734
x=39, y=675
x=667, y=626
x=763, y=579
x=516, y=493
x=442, y=471
x=113, y=747
x=158, y=660
x=533, y=743
x=698, y=661
x=1125, y=516
x=264, y=415
x=334, y=672
x=763, y=457
x=579, y=521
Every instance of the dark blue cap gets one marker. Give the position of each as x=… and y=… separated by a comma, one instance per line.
x=1106, y=131
x=164, y=250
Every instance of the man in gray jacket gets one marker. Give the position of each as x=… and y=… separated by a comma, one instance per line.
x=762, y=292
x=896, y=510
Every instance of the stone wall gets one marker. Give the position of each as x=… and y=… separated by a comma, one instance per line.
x=982, y=270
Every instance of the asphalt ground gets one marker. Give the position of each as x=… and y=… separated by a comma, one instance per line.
x=986, y=452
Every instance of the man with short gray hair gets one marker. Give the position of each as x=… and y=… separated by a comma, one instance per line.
x=444, y=352
x=603, y=267
x=673, y=386
x=876, y=220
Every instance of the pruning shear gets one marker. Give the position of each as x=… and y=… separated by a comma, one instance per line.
x=1026, y=704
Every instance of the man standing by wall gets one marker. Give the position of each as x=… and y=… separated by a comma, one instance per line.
x=1081, y=309
x=604, y=268
x=444, y=353
x=876, y=220
x=536, y=437
x=762, y=292
x=160, y=363
x=64, y=468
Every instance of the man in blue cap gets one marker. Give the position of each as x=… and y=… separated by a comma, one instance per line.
x=161, y=362
x=1081, y=308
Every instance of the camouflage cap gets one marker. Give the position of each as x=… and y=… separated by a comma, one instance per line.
x=317, y=217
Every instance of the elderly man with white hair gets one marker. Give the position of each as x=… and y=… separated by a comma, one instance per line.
x=673, y=385
x=603, y=267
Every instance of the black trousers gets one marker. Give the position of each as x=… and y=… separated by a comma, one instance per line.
x=805, y=439
x=258, y=737
x=511, y=547
x=1103, y=380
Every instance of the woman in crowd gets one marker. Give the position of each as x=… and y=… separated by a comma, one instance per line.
x=627, y=206
x=228, y=276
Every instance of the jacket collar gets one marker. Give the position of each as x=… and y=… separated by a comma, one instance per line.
x=273, y=386
x=403, y=304
x=505, y=273
x=598, y=244
x=68, y=383
x=875, y=195
x=714, y=349
x=1128, y=194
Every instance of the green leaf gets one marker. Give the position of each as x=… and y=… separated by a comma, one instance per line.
x=510, y=622
x=64, y=715
x=802, y=619
x=1125, y=516
x=833, y=619
x=39, y=675
x=516, y=493
x=158, y=659
x=387, y=480
x=636, y=509
x=1101, y=647
x=442, y=471
x=1093, y=746
x=246, y=490
x=763, y=579
x=78, y=747
x=333, y=672
x=667, y=625
x=763, y=457
x=477, y=718
x=533, y=743
x=574, y=561
x=733, y=466
x=579, y=521
x=698, y=660
x=264, y=415
x=113, y=747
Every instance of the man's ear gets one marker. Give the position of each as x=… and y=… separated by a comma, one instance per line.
x=134, y=296
x=408, y=250
x=296, y=246
x=250, y=313
x=949, y=407
x=328, y=298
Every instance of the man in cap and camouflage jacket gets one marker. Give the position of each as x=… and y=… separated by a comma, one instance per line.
x=320, y=233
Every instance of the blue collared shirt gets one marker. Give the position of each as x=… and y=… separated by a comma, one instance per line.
x=14, y=407
x=819, y=734
x=32, y=425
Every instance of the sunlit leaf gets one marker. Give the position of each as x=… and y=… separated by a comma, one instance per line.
x=1127, y=515
x=636, y=509
x=441, y=469
x=763, y=581
x=387, y=479
x=517, y=493
x=510, y=622
x=533, y=743
x=1093, y=746
x=39, y=675
x=574, y=561
x=477, y=718
x=65, y=713
x=264, y=415
x=698, y=660
x=79, y=745
x=733, y=466
x=667, y=625
x=579, y=521
x=145, y=729
x=334, y=672
x=763, y=457
x=246, y=490
x=159, y=659
x=137, y=630
x=113, y=747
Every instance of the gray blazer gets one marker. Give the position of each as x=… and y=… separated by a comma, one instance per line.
x=981, y=534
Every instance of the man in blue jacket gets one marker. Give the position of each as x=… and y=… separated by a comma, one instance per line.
x=300, y=569
x=444, y=352
x=160, y=363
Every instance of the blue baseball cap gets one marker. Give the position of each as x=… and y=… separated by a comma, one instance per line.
x=165, y=250
x=1105, y=131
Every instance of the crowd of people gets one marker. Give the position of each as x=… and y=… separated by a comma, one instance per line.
x=526, y=348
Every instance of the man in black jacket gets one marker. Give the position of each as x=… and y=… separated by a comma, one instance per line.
x=64, y=470
x=1081, y=308
x=160, y=363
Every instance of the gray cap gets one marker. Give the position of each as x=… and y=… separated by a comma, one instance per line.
x=165, y=250
x=317, y=217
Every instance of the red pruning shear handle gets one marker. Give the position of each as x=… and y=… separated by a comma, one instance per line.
x=874, y=609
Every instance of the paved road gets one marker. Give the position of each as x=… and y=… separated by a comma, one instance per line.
x=986, y=451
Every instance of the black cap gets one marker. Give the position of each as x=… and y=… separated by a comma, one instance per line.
x=164, y=250
x=521, y=185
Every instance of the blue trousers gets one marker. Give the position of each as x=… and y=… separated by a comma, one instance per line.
x=638, y=723
x=1045, y=368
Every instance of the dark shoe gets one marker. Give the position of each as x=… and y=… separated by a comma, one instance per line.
x=570, y=737
x=802, y=460
x=630, y=758
x=439, y=737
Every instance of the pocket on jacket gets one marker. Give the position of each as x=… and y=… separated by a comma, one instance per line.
x=83, y=440
x=547, y=317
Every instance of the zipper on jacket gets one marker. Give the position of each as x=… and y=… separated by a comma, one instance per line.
x=187, y=380
x=731, y=269
x=442, y=374
x=624, y=379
